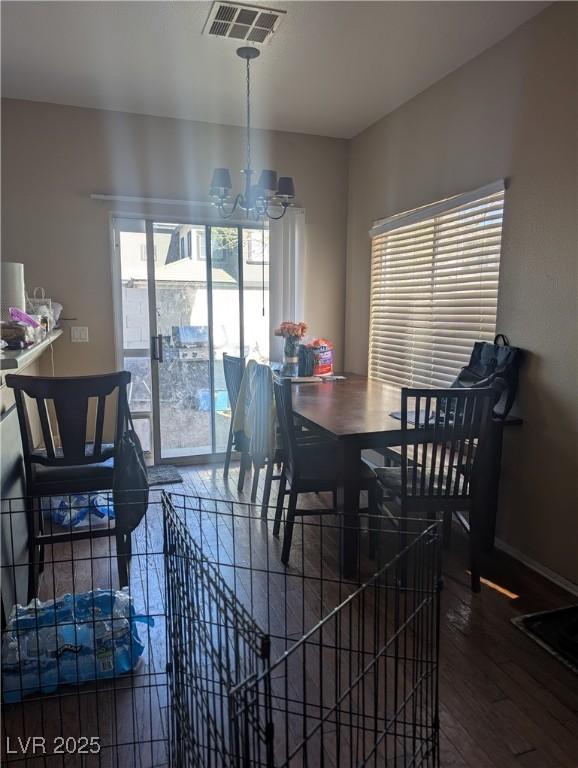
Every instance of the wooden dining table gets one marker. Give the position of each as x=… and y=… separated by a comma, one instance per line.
x=356, y=412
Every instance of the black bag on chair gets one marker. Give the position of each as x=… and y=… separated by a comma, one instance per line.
x=489, y=362
x=130, y=488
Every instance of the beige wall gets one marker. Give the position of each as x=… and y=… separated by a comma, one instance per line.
x=511, y=112
x=54, y=156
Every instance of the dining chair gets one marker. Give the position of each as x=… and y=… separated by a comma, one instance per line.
x=73, y=464
x=271, y=454
x=254, y=423
x=307, y=468
x=233, y=368
x=442, y=459
x=261, y=421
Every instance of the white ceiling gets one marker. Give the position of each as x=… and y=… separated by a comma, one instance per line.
x=333, y=69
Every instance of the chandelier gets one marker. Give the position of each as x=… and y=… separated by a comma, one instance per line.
x=269, y=193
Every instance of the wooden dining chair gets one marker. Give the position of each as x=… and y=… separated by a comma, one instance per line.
x=307, y=468
x=261, y=416
x=442, y=459
x=73, y=464
x=254, y=425
x=273, y=456
x=233, y=368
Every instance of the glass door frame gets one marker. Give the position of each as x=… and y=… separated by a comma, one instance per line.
x=152, y=299
x=149, y=223
x=220, y=455
x=120, y=350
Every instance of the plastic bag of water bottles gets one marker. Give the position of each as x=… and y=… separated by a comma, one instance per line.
x=70, y=640
x=74, y=511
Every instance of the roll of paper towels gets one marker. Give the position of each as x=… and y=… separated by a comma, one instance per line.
x=12, y=291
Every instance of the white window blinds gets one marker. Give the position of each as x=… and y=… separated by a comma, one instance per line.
x=434, y=287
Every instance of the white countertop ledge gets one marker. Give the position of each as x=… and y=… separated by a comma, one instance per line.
x=15, y=359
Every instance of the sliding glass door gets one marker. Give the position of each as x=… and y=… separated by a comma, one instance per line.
x=189, y=292
x=180, y=341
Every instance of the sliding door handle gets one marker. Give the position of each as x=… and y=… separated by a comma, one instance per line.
x=160, y=348
x=155, y=348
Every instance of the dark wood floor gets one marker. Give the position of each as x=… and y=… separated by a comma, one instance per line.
x=505, y=702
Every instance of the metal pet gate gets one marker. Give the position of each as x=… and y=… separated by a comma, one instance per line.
x=246, y=662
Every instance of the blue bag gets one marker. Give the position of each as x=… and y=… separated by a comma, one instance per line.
x=74, y=511
x=70, y=640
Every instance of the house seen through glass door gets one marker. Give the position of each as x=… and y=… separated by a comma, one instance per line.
x=189, y=293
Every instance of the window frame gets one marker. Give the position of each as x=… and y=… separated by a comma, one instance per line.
x=260, y=261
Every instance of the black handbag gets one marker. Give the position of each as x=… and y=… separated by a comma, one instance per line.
x=490, y=362
x=130, y=487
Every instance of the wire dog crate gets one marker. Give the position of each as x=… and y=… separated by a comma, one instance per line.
x=248, y=663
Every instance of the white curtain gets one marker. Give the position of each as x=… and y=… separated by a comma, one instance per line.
x=286, y=273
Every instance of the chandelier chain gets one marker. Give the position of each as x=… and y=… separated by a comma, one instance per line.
x=248, y=117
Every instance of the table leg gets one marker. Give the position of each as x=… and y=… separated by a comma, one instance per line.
x=490, y=485
x=348, y=506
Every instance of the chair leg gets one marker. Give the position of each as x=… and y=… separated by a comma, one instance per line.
x=41, y=530
x=402, y=566
x=289, y=523
x=267, y=488
x=40, y=559
x=475, y=548
x=372, y=500
x=123, y=549
x=376, y=524
x=255, y=484
x=280, y=500
x=34, y=574
x=34, y=555
x=228, y=453
x=245, y=462
x=128, y=545
x=447, y=529
x=374, y=521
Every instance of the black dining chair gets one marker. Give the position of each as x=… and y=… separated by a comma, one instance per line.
x=265, y=444
x=73, y=464
x=254, y=429
x=442, y=459
x=233, y=368
x=263, y=447
x=307, y=468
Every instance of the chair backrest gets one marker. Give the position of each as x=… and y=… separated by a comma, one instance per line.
x=233, y=368
x=445, y=433
x=284, y=407
x=70, y=415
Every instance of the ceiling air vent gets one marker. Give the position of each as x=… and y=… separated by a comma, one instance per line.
x=240, y=22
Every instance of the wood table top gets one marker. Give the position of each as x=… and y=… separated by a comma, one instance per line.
x=355, y=407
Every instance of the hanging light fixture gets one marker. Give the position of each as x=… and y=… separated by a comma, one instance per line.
x=269, y=193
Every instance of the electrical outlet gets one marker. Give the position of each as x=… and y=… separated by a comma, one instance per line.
x=78, y=333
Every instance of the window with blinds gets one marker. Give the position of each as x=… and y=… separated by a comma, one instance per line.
x=434, y=287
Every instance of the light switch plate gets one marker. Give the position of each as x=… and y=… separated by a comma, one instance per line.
x=79, y=333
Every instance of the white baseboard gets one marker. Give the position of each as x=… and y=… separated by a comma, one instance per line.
x=569, y=586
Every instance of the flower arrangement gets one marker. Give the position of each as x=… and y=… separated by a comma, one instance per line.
x=292, y=333
x=287, y=328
